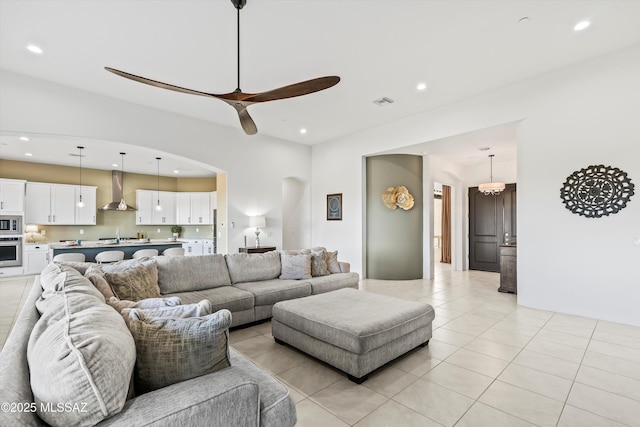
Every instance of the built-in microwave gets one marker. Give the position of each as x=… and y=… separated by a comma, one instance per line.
x=10, y=224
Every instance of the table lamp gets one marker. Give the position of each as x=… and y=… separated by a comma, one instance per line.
x=30, y=230
x=257, y=222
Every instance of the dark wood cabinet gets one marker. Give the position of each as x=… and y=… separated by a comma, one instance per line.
x=254, y=250
x=508, y=269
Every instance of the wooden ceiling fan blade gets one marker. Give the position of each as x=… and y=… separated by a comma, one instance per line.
x=296, y=89
x=247, y=122
x=157, y=83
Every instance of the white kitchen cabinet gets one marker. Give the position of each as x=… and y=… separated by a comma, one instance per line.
x=193, y=208
x=12, y=196
x=86, y=215
x=148, y=214
x=52, y=204
x=36, y=258
x=207, y=247
x=193, y=247
x=11, y=271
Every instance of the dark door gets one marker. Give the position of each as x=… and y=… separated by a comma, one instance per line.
x=492, y=219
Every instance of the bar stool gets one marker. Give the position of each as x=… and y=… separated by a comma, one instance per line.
x=107, y=257
x=173, y=252
x=74, y=256
x=142, y=253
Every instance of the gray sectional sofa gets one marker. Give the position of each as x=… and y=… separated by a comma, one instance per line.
x=91, y=354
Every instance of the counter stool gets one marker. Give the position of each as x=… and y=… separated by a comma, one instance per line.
x=142, y=253
x=109, y=256
x=74, y=256
x=173, y=252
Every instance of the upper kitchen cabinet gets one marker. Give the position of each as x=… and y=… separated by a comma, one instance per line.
x=86, y=215
x=194, y=208
x=56, y=204
x=12, y=196
x=147, y=206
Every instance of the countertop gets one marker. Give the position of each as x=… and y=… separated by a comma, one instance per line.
x=93, y=244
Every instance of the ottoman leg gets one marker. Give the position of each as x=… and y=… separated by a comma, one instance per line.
x=358, y=380
x=424, y=344
x=279, y=341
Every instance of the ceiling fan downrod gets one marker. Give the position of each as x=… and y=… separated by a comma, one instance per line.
x=238, y=4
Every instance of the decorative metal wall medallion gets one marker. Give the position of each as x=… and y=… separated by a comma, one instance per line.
x=596, y=191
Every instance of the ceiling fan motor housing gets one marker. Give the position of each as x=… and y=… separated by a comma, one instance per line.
x=239, y=4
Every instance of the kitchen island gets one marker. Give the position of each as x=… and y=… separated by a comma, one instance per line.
x=91, y=248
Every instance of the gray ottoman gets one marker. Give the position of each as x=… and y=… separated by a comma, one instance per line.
x=354, y=331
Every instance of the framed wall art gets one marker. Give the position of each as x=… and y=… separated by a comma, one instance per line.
x=334, y=207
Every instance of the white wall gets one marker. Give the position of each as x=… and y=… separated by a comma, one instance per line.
x=296, y=206
x=578, y=116
x=255, y=165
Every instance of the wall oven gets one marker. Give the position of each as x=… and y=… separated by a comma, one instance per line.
x=10, y=251
x=10, y=224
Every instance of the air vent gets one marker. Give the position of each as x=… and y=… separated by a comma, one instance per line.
x=383, y=101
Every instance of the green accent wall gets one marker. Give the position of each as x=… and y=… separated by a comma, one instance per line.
x=393, y=237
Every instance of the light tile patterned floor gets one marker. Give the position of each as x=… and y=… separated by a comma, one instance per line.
x=489, y=363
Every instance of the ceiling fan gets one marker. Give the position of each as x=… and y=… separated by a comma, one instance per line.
x=241, y=100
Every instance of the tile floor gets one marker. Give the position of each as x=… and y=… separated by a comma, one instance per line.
x=489, y=363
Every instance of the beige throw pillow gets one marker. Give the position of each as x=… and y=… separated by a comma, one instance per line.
x=96, y=276
x=319, y=263
x=173, y=349
x=295, y=267
x=134, y=284
x=332, y=262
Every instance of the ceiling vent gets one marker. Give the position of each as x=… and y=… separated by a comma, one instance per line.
x=383, y=101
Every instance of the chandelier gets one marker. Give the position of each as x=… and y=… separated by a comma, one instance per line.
x=491, y=188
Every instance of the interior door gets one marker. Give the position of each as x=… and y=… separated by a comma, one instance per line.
x=490, y=217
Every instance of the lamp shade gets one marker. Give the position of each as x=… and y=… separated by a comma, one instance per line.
x=257, y=221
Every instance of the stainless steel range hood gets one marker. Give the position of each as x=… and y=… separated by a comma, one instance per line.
x=116, y=195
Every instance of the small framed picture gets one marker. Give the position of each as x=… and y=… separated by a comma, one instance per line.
x=334, y=207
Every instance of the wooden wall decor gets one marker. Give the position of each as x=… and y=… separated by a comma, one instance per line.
x=597, y=191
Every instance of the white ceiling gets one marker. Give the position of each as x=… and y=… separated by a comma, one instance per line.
x=379, y=48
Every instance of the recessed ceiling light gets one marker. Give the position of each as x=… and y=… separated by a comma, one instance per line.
x=34, y=49
x=484, y=148
x=381, y=102
x=421, y=86
x=24, y=138
x=28, y=154
x=115, y=165
x=303, y=131
x=176, y=171
x=581, y=25
x=523, y=20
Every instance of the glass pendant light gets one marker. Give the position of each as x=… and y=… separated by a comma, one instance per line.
x=80, y=203
x=122, y=206
x=158, y=206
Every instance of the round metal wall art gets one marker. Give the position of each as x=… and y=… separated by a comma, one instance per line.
x=596, y=191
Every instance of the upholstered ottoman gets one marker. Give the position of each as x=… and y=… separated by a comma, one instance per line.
x=354, y=331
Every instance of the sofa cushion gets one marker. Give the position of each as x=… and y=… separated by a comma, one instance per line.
x=134, y=283
x=228, y=297
x=268, y=292
x=295, y=267
x=253, y=267
x=332, y=282
x=80, y=351
x=172, y=349
x=191, y=273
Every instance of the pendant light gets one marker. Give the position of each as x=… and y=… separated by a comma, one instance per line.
x=491, y=188
x=80, y=203
x=158, y=206
x=122, y=206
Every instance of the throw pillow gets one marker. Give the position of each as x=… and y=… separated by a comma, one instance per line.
x=119, y=304
x=96, y=276
x=203, y=308
x=332, y=262
x=149, y=263
x=295, y=267
x=173, y=349
x=319, y=264
x=133, y=284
